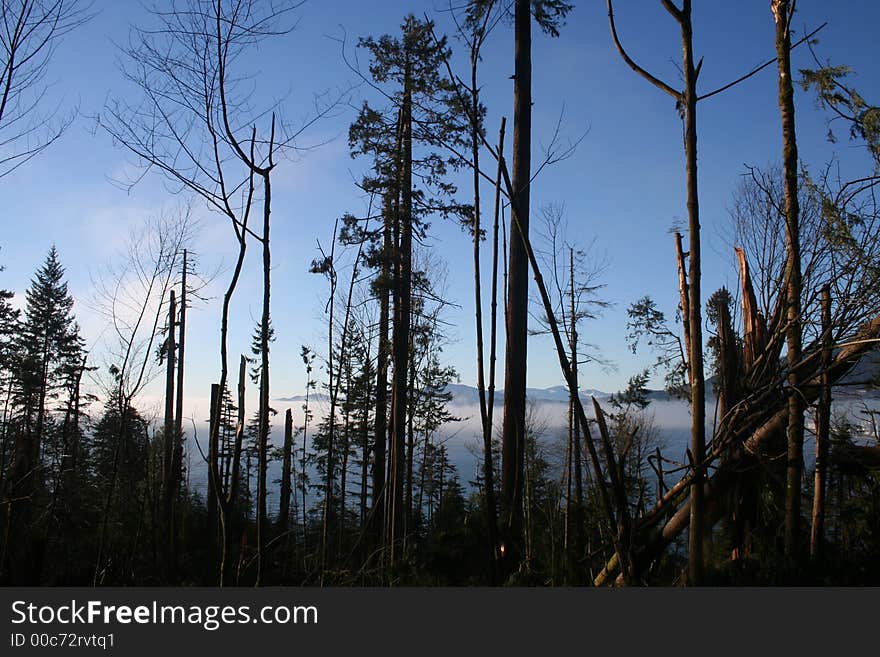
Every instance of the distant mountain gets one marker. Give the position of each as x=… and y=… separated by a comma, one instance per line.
x=313, y=397
x=560, y=394
x=857, y=382
x=466, y=395
x=865, y=375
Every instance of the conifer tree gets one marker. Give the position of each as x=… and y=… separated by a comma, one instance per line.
x=48, y=353
x=411, y=178
x=121, y=455
x=9, y=318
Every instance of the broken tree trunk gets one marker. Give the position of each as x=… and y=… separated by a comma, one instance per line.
x=754, y=435
x=177, y=456
x=284, y=502
x=169, y=441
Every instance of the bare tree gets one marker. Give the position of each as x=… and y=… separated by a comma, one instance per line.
x=574, y=274
x=129, y=294
x=195, y=123
x=30, y=32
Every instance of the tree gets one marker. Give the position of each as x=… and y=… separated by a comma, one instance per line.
x=194, y=124
x=783, y=12
x=9, y=318
x=479, y=18
x=308, y=358
x=421, y=98
x=121, y=452
x=130, y=293
x=550, y=15
x=49, y=354
x=32, y=30
x=575, y=274
x=845, y=104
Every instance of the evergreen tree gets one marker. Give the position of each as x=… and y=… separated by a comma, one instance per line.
x=411, y=178
x=123, y=458
x=9, y=318
x=46, y=360
x=49, y=347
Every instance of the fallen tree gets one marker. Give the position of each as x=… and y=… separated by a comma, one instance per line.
x=745, y=434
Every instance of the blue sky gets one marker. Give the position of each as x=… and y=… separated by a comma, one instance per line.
x=624, y=186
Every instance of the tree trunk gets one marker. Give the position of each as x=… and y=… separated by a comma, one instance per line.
x=513, y=428
x=782, y=11
x=486, y=420
x=229, y=497
x=576, y=546
x=488, y=427
x=823, y=422
x=263, y=435
x=213, y=476
x=284, y=502
x=331, y=427
x=214, y=438
x=400, y=338
x=169, y=443
x=343, y=475
x=365, y=450
x=697, y=532
x=177, y=457
x=380, y=421
x=305, y=513
x=410, y=444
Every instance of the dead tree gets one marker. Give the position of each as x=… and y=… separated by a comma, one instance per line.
x=686, y=100
x=686, y=103
x=129, y=295
x=284, y=502
x=759, y=419
x=193, y=124
x=169, y=440
x=177, y=456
